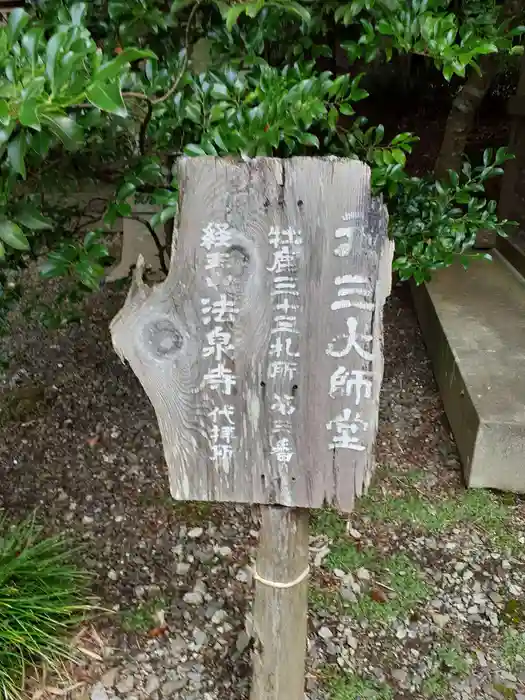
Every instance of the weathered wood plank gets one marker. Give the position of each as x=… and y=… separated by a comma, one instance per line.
x=280, y=614
x=261, y=351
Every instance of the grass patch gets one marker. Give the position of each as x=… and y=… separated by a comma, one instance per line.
x=408, y=590
x=328, y=522
x=43, y=596
x=143, y=618
x=351, y=687
x=398, y=572
x=513, y=650
x=322, y=600
x=450, y=662
x=193, y=512
x=478, y=508
x=344, y=555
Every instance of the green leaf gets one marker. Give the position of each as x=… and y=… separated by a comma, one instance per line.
x=54, y=266
x=358, y=94
x=53, y=47
x=77, y=11
x=98, y=251
x=193, y=112
x=502, y=155
x=346, y=108
x=309, y=140
x=13, y=235
x=28, y=114
x=448, y=71
x=298, y=9
x=485, y=48
x=4, y=111
x=16, y=149
x=115, y=67
x=168, y=214
x=233, y=15
x=384, y=27
x=28, y=216
x=454, y=177
x=89, y=273
x=65, y=129
x=219, y=91
x=127, y=189
x=18, y=19
x=398, y=156
x=91, y=238
x=107, y=97
x=30, y=42
x=2, y=250
x=193, y=150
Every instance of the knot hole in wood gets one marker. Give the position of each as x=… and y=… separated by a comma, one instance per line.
x=163, y=338
x=236, y=268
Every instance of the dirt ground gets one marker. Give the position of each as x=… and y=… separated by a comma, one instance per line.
x=418, y=595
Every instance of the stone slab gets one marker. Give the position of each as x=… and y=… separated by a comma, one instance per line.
x=513, y=250
x=473, y=323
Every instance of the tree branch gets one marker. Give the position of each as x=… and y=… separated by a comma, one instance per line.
x=160, y=248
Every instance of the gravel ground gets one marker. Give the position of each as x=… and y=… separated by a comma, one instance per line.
x=418, y=595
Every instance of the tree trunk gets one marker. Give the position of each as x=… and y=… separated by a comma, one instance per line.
x=462, y=115
x=467, y=103
x=510, y=206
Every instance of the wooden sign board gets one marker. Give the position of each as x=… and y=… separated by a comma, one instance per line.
x=261, y=351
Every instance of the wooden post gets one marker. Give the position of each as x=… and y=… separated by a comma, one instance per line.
x=280, y=613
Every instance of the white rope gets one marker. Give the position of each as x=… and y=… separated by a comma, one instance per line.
x=277, y=584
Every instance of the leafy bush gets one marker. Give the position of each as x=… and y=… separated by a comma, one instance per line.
x=42, y=597
x=114, y=91
x=434, y=222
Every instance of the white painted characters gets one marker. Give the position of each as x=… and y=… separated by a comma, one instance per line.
x=356, y=383
x=216, y=235
x=283, y=370
x=283, y=450
x=222, y=310
x=342, y=345
x=218, y=313
x=219, y=344
x=354, y=293
x=281, y=237
x=347, y=431
x=351, y=286
x=284, y=354
x=283, y=404
x=347, y=233
x=220, y=379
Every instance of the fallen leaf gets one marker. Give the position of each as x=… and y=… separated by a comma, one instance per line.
x=61, y=692
x=378, y=595
x=161, y=618
x=89, y=653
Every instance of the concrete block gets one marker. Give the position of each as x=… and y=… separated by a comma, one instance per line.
x=137, y=240
x=485, y=239
x=473, y=323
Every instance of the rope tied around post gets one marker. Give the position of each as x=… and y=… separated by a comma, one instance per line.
x=278, y=584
